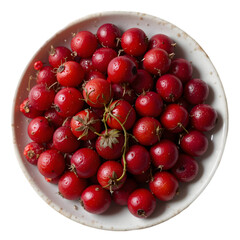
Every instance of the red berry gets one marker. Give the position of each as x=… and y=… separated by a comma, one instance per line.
x=182, y=69
x=94, y=74
x=149, y=104
x=101, y=58
x=137, y=159
x=156, y=61
x=41, y=97
x=123, y=91
x=84, y=43
x=121, y=195
x=147, y=131
x=84, y=125
x=95, y=199
x=70, y=186
x=51, y=163
x=164, y=185
x=141, y=203
x=97, y=92
x=39, y=130
x=196, y=91
x=87, y=65
x=70, y=74
x=162, y=41
x=29, y=111
x=64, y=140
x=174, y=118
x=38, y=65
x=32, y=152
x=186, y=168
x=164, y=154
x=121, y=69
x=85, y=162
x=108, y=175
x=110, y=144
x=54, y=118
x=68, y=101
x=109, y=35
x=203, y=117
x=134, y=42
x=169, y=87
x=59, y=55
x=123, y=112
x=194, y=143
x=46, y=76
x=142, y=82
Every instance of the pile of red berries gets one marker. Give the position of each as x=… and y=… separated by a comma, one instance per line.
x=117, y=118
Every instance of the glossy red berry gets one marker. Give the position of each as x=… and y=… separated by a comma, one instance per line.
x=182, y=69
x=95, y=199
x=84, y=43
x=194, y=143
x=110, y=144
x=85, y=162
x=70, y=186
x=108, y=175
x=169, y=87
x=203, y=117
x=156, y=61
x=162, y=41
x=84, y=125
x=64, y=140
x=38, y=65
x=46, y=76
x=174, y=118
x=121, y=110
x=121, y=195
x=51, y=163
x=32, y=152
x=109, y=35
x=138, y=159
x=196, y=91
x=41, y=97
x=134, y=42
x=54, y=118
x=70, y=74
x=149, y=104
x=121, y=69
x=164, y=154
x=143, y=82
x=147, y=131
x=97, y=92
x=164, y=185
x=87, y=65
x=123, y=91
x=94, y=74
x=141, y=203
x=59, y=55
x=39, y=130
x=68, y=101
x=29, y=111
x=101, y=58
x=186, y=169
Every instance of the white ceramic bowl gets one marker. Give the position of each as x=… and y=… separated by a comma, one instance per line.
x=118, y=218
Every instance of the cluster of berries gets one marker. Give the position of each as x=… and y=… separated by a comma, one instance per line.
x=117, y=117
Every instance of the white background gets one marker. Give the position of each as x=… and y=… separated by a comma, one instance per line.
x=25, y=25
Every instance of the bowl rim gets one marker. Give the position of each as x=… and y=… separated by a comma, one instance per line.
x=55, y=206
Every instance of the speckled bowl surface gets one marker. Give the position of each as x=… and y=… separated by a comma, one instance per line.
x=118, y=218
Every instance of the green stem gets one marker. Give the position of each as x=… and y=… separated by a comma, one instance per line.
x=124, y=147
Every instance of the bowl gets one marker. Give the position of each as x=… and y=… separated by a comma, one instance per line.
x=119, y=218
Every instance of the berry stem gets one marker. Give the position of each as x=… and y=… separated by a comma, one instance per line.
x=124, y=146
